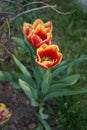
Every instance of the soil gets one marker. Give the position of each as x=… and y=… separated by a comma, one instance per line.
x=23, y=117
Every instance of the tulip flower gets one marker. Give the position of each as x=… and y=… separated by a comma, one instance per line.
x=5, y=113
x=48, y=56
x=38, y=33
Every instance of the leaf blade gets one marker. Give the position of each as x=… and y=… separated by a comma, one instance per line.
x=46, y=81
x=22, y=67
x=19, y=42
x=65, y=92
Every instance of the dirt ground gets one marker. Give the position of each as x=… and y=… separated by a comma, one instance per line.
x=23, y=117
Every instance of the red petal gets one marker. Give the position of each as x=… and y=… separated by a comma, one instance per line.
x=36, y=41
x=27, y=28
x=40, y=31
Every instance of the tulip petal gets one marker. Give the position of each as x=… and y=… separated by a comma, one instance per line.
x=40, y=31
x=49, y=26
x=5, y=113
x=2, y=107
x=36, y=41
x=37, y=22
x=6, y=116
x=27, y=28
x=48, y=56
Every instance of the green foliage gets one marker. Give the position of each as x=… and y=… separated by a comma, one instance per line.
x=46, y=81
x=44, y=123
x=72, y=113
x=30, y=92
x=19, y=42
x=22, y=67
x=47, y=86
x=68, y=113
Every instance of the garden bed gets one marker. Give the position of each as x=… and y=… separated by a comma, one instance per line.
x=23, y=113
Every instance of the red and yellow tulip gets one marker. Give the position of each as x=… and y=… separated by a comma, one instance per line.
x=48, y=56
x=38, y=33
x=5, y=113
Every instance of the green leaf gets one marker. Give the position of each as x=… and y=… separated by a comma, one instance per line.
x=63, y=63
x=22, y=67
x=69, y=69
x=16, y=76
x=8, y=76
x=58, y=70
x=5, y=76
x=46, y=81
x=28, y=90
x=57, y=86
x=80, y=59
x=65, y=92
x=70, y=80
x=44, y=123
x=43, y=116
x=15, y=84
x=19, y=42
x=34, y=102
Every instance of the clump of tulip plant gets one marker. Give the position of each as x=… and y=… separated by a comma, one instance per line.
x=49, y=76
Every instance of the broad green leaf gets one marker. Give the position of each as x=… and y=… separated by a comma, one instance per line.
x=71, y=62
x=34, y=102
x=16, y=76
x=15, y=84
x=15, y=81
x=28, y=90
x=44, y=123
x=22, y=67
x=19, y=42
x=65, y=92
x=58, y=70
x=5, y=76
x=63, y=63
x=70, y=79
x=43, y=116
x=57, y=86
x=69, y=69
x=80, y=59
x=46, y=81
